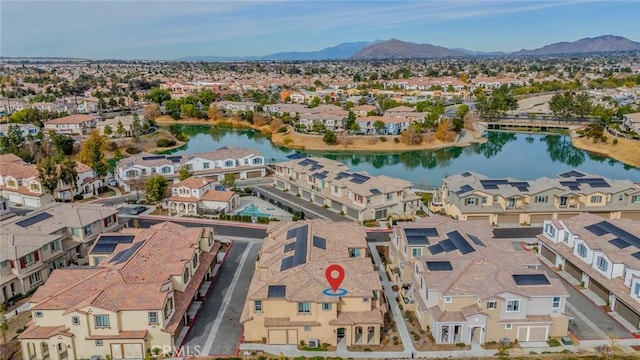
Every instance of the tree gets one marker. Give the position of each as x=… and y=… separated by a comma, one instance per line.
x=136, y=126
x=92, y=153
x=228, y=181
x=412, y=135
x=151, y=111
x=315, y=102
x=64, y=143
x=4, y=323
x=158, y=95
x=379, y=125
x=582, y=106
x=120, y=129
x=351, y=119
x=48, y=174
x=107, y=130
x=68, y=173
x=445, y=131
x=206, y=97
x=330, y=138
x=184, y=172
x=318, y=127
x=213, y=112
x=188, y=110
x=13, y=141
x=561, y=104
x=155, y=188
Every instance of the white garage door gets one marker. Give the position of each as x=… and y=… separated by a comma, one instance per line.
x=116, y=351
x=16, y=198
x=133, y=351
x=532, y=333
x=32, y=202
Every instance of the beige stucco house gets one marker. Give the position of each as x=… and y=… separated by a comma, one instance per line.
x=198, y=195
x=287, y=301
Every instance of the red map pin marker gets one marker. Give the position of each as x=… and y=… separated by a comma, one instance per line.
x=334, y=281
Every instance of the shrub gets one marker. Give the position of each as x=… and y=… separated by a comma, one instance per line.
x=132, y=150
x=287, y=140
x=615, y=141
x=330, y=138
x=113, y=146
x=78, y=197
x=461, y=345
x=165, y=142
x=282, y=129
x=396, y=140
x=383, y=138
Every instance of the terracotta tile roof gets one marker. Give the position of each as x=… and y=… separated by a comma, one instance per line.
x=358, y=317
x=286, y=322
x=216, y=195
x=72, y=119
x=11, y=165
x=188, y=199
x=43, y=332
x=193, y=182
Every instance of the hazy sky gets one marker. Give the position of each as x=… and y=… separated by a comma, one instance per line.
x=151, y=29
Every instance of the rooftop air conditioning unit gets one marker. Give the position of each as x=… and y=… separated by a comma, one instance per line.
x=314, y=343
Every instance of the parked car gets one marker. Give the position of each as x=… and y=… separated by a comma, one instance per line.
x=113, y=182
x=137, y=210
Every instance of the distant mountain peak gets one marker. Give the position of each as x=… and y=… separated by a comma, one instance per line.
x=398, y=49
x=604, y=43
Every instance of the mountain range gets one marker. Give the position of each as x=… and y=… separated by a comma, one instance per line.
x=397, y=49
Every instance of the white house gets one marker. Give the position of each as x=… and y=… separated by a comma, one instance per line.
x=198, y=195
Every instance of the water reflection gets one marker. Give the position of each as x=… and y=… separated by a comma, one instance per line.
x=560, y=149
x=495, y=143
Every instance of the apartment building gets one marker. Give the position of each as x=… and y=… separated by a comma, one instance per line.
x=603, y=255
x=239, y=162
x=358, y=195
x=201, y=195
x=286, y=302
x=466, y=287
x=34, y=245
x=72, y=124
x=136, y=295
x=235, y=107
x=20, y=182
x=472, y=196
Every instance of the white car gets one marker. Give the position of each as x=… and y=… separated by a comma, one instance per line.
x=113, y=182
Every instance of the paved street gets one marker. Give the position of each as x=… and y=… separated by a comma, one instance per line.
x=311, y=211
x=217, y=330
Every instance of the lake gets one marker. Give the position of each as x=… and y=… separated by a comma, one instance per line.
x=521, y=156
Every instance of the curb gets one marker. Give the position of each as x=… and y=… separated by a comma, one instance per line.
x=213, y=281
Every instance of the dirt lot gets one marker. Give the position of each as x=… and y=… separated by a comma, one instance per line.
x=626, y=150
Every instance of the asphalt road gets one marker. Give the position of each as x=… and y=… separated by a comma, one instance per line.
x=217, y=329
x=223, y=230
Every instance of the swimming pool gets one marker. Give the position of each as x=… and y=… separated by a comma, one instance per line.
x=252, y=210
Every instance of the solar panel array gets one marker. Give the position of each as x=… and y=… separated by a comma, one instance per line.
x=296, y=156
x=359, y=178
x=341, y=175
x=466, y=174
x=375, y=191
x=420, y=236
x=623, y=238
x=276, y=291
x=107, y=243
x=320, y=243
x=321, y=175
x=174, y=159
x=289, y=247
x=464, y=189
x=125, y=254
x=455, y=241
x=476, y=240
x=439, y=265
x=593, y=182
x=299, y=256
x=154, y=157
x=34, y=219
x=572, y=173
x=307, y=162
x=492, y=184
x=531, y=279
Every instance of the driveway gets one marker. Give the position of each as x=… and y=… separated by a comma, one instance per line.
x=217, y=329
x=311, y=210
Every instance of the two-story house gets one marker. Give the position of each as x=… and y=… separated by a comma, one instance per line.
x=358, y=195
x=136, y=296
x=50, y=238
x=472, y=196
x=199, y=195
x=631, y=122
x=235, y=107
x=87, y=183
x=602, y=255
x=466, y=287
x=25, y=129
x=289, y=299
x=72, y=124
x=20, y=182
x=228, y=160
x=113, y=124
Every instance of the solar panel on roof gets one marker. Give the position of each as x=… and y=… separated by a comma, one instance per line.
x=596, y=230
x=636, y=255
x=300, y=253
x=276, y=291
x=33, y=220
x=342, y=175
x=375, y=191
x=531, y=279
x=417, y=240
x=291, y=233
x=447, y=245
x=439, y=265
x=289, y=247
x=125, y=254
x=320, y=176
x=435, y=249
x=154, y=157
x=460, y=242
x=476, y=240
x=319, y=242
x=430, y=232
x=286, y=264
x=295, y=156
x=619, y=243
x=466, y=174
x=620, y=233
x=107, y=243
x=572, y=173
x=595, y=182
x=464, y=189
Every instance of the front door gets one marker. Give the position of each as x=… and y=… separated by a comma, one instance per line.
x=340, y=333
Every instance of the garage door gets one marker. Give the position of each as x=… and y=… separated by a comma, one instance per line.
x=16, y=198
x=532, y=333
x=628, y=313
x=539, y=218
x=353, y=213
x=548, y=254
x=573, y=270
x=278, y=337
x=116, y=351
x=632, y=215
x=280, y=184
x=32, y=202
x=598, y=289
x=478, y=217
x=509, y=219
x=306, y=195
x=336, y=205
x=292, y=337
x=254, y=174
x=318, y=200
x=133, y=351
x=294, y=189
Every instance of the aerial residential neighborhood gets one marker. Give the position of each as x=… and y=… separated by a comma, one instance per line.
x=281, y=182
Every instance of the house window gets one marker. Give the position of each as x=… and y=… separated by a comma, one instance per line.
x=602, y=263
x=165, y=169
x=513, y=305
x=98, y=342
x=35, y=278
x=416, y=251
x=555, y=302
x=541, y=199
x=355, y=252
x=257, y=306
x=636, y=291
x=508, y=326
x=635, y=199
x=484, y=200
x=87, y=230
x=38, y=314
x=153, y=317
x=307, y=328
x=304, y=307
x=228, y=163
x=28, y=259
x=102, y=321
x=496, y=198
x=34, y=187
x=55, y=246
x=365, y=300
x=195, y=260
x=471, y=201
x=75, y=320
x=448, y=299
x=257, y=161
x=581, y=250
x=205, y=165
x=566, y=237
x=596, y=199
x=550, y=230
x=185, y=276
x=491, y=305
x=389, y=196
x=11, y=183
x=168, y=308
x=326, y=306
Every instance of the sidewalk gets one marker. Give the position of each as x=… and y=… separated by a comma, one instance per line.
x=20, y=309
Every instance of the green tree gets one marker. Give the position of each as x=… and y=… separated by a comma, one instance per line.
x=92, y=153
x=120, y=129
x=315, y=102
x=462, y=111
x=68, y=172
x=561, y=104
x=158, y=95
x=13, y=141
x=318, y=127
x=188, y=110
x=63, y=143
x=4, y=323
x=155, y=188
x=379, y=125
x=582, y=105
x=351, y=119
x=48, y=174
x=184, y=172
x=330, y=138
x=355, y=127
x=206, y=97
x=228, y=181
x=349, y=104
x=107, y=130
x=136, y=126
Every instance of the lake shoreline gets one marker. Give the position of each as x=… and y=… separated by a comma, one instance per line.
x=626, y=151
